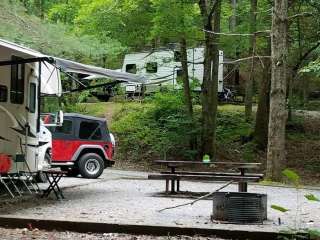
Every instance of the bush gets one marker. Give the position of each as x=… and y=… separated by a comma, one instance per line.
x=160, y=128
x=157, y=128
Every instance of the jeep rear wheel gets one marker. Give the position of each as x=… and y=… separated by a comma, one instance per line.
x=91, y=165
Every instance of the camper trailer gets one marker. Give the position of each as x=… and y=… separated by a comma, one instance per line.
x=163, y=68
x=25, y=76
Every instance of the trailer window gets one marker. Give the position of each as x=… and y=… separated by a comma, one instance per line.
x=179, y=73
x=131, y=68
x=66, y=127
x=177, y=56
x=3, y=93
x=33, y=95
x=87, y=129
x=17, y=82
x=152, y=67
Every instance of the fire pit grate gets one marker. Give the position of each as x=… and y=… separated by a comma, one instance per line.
x=239, y=207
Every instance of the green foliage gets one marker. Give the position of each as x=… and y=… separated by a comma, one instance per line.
x=292, y=176
x=64, y=12
x=83, y=96
x=231, y=124
x=311, y=197
x=128, y=21
x=53, y=39
x=314, y=233
x=279, y=208
x=158, y=128
x=312, y=67
x=175, y=19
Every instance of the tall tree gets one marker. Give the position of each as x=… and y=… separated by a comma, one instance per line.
x=211, y=23
x=262, y=115
x=278, y=113
x=252, y=50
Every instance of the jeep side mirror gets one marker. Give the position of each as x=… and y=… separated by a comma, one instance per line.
x=52, y=120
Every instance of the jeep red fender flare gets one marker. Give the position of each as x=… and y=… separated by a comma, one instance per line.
x=82, y=147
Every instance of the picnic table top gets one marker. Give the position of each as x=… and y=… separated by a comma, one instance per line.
x=233, y=164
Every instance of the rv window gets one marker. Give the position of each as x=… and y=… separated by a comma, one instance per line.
x=3, y=93
x=33, y=95
x=17, y=82
x=66, y=127
x=179, y=73
x=152, y=67
x=87, y=129
x=177, y=56
x=131, y=68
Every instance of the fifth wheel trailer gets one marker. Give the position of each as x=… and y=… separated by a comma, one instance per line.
x=23, y=78
x=163, y=68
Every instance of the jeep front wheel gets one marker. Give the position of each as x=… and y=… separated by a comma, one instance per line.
x=91, y=165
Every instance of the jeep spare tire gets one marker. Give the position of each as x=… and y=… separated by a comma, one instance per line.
x=91, y=165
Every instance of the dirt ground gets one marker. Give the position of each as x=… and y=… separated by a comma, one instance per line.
x=25, y=234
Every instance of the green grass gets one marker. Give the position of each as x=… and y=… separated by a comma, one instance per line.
x=231, y=108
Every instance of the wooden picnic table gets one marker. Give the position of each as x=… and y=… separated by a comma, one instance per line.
x=241, y=166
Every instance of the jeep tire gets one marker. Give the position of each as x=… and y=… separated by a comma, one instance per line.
x=90, y=165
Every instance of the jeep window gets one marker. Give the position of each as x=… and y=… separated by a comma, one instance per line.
x=131, y=68
x=97, y=135
x=152, y=67
x=66, y=127
x=87, y=129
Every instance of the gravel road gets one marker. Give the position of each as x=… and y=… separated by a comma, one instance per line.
x=127, y=197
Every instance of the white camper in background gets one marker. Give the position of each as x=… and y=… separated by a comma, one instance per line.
x=163, y=68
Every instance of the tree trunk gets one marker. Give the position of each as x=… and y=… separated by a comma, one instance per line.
x=262, y=115
x=210, y=78
x=249, y=82
x=278, y=112
x=186, y=89
x=185, y=77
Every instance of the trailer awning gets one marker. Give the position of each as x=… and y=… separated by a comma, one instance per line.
x=75, y=67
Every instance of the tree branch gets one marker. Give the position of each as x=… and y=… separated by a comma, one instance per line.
x=245, y=59
x=238, y=34
x=303, y=14
x=305, y=55
x=198, y=199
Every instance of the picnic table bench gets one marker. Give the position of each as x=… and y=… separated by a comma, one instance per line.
x=174, y=176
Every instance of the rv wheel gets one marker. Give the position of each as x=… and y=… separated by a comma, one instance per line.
x=91, y=165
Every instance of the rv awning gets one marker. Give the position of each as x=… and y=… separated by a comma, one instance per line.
x=51, y=66
x=75, y=67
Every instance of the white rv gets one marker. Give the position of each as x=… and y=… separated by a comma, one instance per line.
x=25, y=75
x=23, y=78
x=163, y=68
